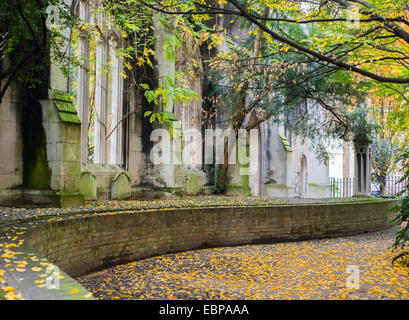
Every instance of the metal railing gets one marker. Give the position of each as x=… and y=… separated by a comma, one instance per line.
x=342, y=187
x=393, y=186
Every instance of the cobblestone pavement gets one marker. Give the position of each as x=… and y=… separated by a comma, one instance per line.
x=10, y=214
x=356, y=267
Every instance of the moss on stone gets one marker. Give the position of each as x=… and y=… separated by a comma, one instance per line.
x=37, y=176
x=71, y=199
x=36, y=173
x=60, y=95
x=88, y=187
x=238, y=190
x=69, y=117
x=245, y=179
x=321, y=187
x=192, y=183
x=277, y=186
x=286, y=144
x=121, y=186
x=64, y=106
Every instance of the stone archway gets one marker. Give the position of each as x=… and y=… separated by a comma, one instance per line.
x=302, y=177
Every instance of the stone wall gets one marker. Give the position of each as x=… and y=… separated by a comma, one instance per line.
x=317, y=172
x=82, y=245
x=11, y=141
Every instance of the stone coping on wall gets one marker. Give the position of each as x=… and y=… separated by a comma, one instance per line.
x=20, y=214
x=33, y=277
x=80, y=243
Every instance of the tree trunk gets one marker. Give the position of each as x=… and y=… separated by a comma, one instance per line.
x=382, y=185
x=222, y=177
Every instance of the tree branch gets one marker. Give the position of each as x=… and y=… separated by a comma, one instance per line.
x=339, y=64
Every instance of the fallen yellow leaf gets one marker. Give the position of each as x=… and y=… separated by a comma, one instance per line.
x=74, y=291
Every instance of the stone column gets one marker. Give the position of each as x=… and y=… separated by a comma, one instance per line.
x=100, y=102
x=165, y=171
x=256, y=166
x=58, y=80
x=115, y=105
x=11, y=142
x=83, y=86
x=362, y=187
x=164, y=66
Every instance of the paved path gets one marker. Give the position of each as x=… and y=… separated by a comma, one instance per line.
x=299, y=270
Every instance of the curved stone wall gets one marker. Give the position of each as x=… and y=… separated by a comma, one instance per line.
x=85, y=244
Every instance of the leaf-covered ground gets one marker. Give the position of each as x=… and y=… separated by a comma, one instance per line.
x=12, y=234
x=298, y=270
